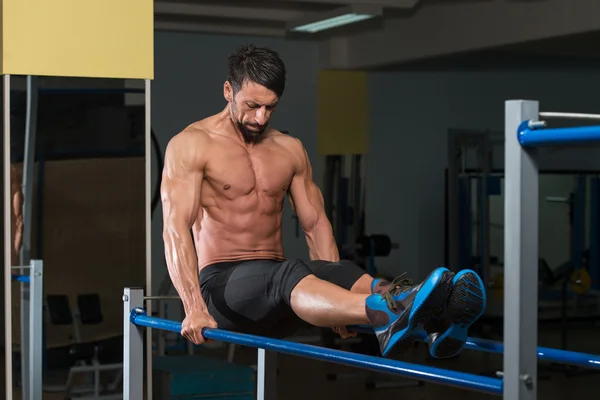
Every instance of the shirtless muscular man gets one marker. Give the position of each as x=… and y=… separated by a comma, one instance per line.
x=225, y=179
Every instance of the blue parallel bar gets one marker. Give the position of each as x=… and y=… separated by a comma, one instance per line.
x=420, y=372
x=540, y=136
x=492, y=346
x=20, y=278
x=544, y=353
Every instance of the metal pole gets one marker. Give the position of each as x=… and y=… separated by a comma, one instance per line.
x=552, y=114
x=452, y=232
x=266, y=385
x=133, y=347
x=7, y=242
x=28, y=164
x=26, y=336
x=25, y=256
x=520, y=257
x=484, y=209
x=594, y=221
x=148, y=168
x=36, y=321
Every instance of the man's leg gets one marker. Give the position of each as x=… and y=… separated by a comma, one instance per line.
x=325, y=304
x=447, y=332
x=243, y=297
x=393, y=315
x=255, y=296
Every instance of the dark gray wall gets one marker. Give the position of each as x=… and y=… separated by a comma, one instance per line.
x=411, y=113
x=188, y=86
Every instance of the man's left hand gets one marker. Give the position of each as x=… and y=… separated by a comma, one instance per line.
x=343, y=332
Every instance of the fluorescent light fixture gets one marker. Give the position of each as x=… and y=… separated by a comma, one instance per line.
x=335, y=18
x=332, y=22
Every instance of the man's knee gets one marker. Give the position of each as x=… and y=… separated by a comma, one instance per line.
x=287, y=277
x=343, y=273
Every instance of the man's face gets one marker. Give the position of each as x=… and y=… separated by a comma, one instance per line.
x=251, y=108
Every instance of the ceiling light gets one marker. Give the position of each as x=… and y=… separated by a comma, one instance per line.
x=336, y=18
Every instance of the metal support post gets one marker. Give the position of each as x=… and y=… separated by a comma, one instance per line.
x=36, y=326
x=133, y=347
x=266, y=386
x=26, y=336
x=27, y=304
x=520, y=257
x=148, y=215
x=578, y=222
x=28, y=165
x=452, y=232
x=484, y=209
x=7, y=240
x=594, y=221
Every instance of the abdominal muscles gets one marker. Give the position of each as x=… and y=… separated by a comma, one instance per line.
x=239, y=228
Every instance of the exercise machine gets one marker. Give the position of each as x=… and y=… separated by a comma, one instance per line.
x=473, y=185
x=344, y=198
x=85, y=356
x=31, y=278
x=470, y=148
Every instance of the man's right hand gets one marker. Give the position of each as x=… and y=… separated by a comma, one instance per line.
x=193, y=324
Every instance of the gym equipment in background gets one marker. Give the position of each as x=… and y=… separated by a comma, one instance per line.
x=472, y=183
x=459, y=235
x=32, y=322
x=344, y=197
x=85, y=356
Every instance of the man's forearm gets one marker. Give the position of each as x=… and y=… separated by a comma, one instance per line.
x=321, y=243
x=18, y=241
x=183, y=269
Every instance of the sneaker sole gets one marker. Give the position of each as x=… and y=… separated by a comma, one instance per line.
x=424, y=306
x=465, y=305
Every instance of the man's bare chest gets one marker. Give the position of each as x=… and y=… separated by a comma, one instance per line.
x=238, y=172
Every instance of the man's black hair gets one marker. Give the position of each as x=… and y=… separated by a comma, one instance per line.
x=259, y=65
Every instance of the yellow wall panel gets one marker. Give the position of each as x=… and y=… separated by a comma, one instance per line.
x=79, y=38
x=343, y=112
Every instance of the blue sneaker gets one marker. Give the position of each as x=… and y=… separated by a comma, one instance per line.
x=447, y=334
x=396, y=312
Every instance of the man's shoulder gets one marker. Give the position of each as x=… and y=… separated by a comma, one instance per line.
x=193, y=134
x=190, y=145
x=294, y=149
x=290, y=142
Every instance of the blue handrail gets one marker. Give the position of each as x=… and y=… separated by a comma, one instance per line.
x=414, y=371
x=20, y=278
x=533, y=136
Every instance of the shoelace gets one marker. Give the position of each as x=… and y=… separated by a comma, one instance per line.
x=398, y=285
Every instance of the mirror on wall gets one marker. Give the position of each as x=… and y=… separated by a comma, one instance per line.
x=77, y=195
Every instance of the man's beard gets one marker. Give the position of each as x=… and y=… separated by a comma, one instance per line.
x=250, y=135
x=247, y=134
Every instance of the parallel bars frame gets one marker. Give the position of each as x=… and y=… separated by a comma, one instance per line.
x=519, y=382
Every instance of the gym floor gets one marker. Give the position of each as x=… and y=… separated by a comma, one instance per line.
x=295, y=372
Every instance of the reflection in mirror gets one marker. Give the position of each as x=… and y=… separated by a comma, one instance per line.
x=76, y=195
